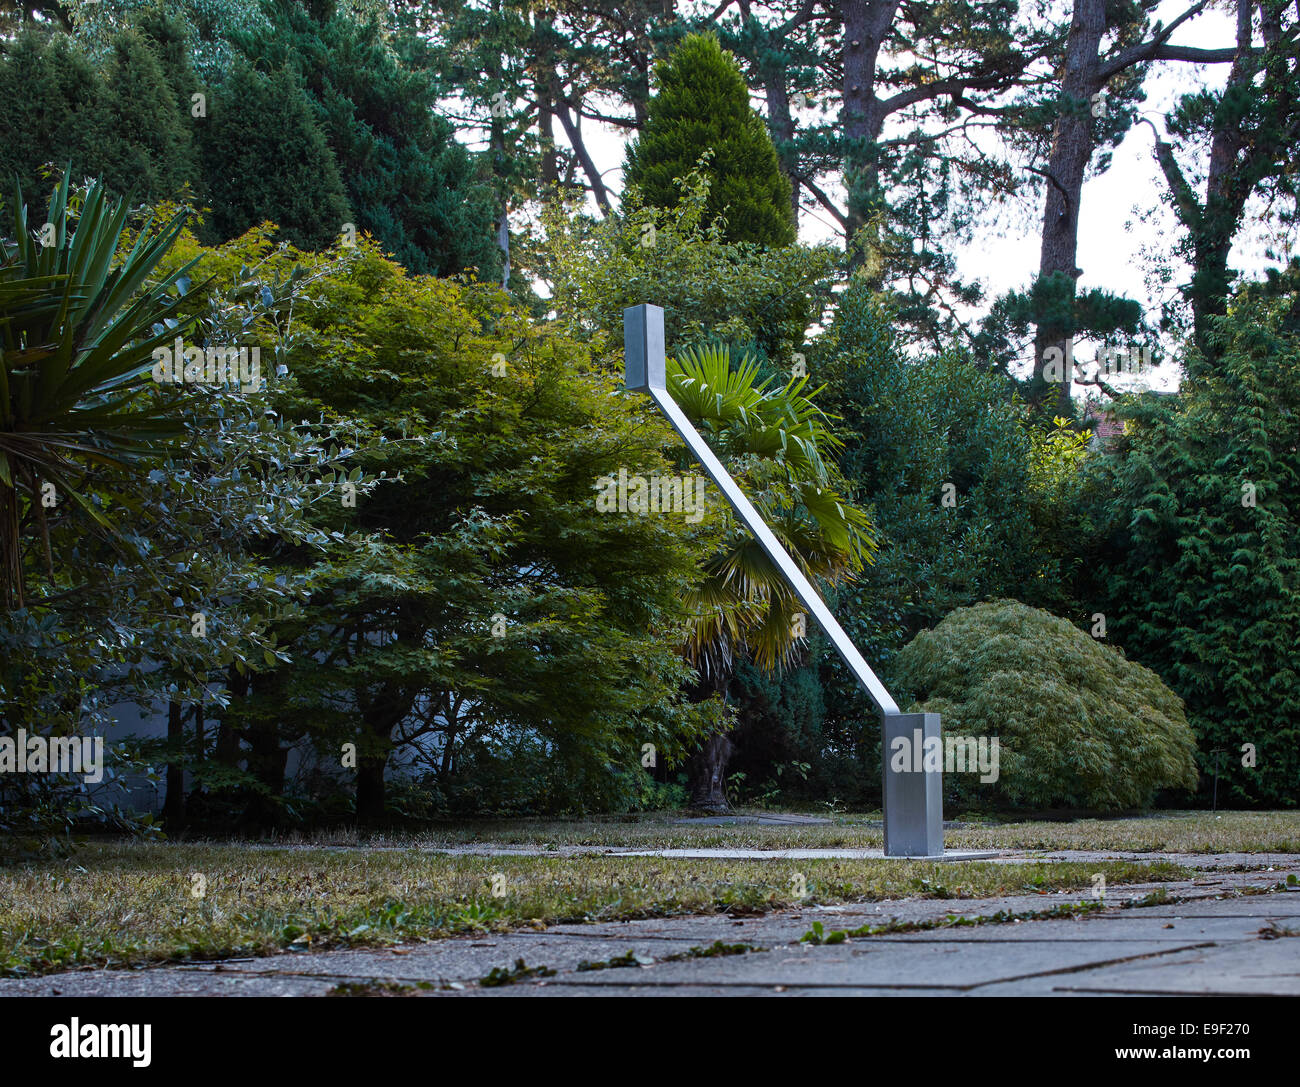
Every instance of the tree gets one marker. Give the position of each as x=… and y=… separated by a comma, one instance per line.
x=407, y=179
x=784, y=55
x=1248, y=134
x=761, y=300
x=721, y=297
x=1097, y=93
x=116, y=119
x=523, y=70
x=492, y=605
x=702, y=108
x=48, y=90
x=972, y=52
x=944, y=454
x=1196, y=564
x=205, y=29
x=149, y=150
x=893, y=98
x=782, y=747
x=265, y=158
x=223, y=512
x=509, y=66
x=143, y=551
x=969, y=501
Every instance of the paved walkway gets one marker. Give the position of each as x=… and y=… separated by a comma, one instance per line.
x=1000, y=856
x=1224, y=932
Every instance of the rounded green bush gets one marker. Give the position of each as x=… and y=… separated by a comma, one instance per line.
x=1079, y=725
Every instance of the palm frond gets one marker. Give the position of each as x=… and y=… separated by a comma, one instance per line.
x=79, y=321
x=744, y=604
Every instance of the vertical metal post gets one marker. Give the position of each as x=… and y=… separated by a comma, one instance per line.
x=913, y=793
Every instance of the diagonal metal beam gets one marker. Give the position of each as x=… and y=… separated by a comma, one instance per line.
x=913, y=797
x=646, y=371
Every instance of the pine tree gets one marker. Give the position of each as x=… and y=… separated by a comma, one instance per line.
x=148, y=148
x=118, y=122
x=265, y=157
x=407, y=179
x=1198, y=573
x=48, y=90
x=702, y=105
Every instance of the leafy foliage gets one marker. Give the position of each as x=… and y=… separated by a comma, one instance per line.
x=154, y=531
x=711, y=290
x=960, y=486
x=265, y=158
x=79, y=327
x=1079, y=725
x=407, y=180
x=1198, y=566
x=117, y=119
x=206, y=28
x=491, y=609
x=779, y=440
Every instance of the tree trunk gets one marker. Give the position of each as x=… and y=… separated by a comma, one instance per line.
x=266, y=761
x=571, y=121
x=706, y=770
x=866, y=23
x=781, y=127
x=371, y=799
x=708, y=774
x=546, y=133
x=446, y=763
x=174, y=803
x=1227, y=188
x=11, y=563
x=1072, y=145
x=266, y=758
x=500, y=170
x=227, y=746
x=380, y=715
x=503, y=243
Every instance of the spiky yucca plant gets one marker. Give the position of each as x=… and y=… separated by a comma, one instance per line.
x=78, y=325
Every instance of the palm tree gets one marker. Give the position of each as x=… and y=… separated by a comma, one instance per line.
x=78, y=324
x=776, y=439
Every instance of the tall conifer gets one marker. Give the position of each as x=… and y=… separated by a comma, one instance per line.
x=702, y=105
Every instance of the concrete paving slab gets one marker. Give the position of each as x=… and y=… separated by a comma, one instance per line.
x=164, y=982
x=1266, y=967
x=1129, y=930
x=462, y=960
x=1259, y=907
x=730, y=854
x=465, y=959
x=945, y=965
x=577, y=989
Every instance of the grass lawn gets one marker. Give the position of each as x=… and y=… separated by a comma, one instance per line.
x=1169, y=832
x=119, y=903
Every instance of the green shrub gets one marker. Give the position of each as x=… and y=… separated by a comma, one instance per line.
x=265, y=157
x=1079, y=725
x=406, y=178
